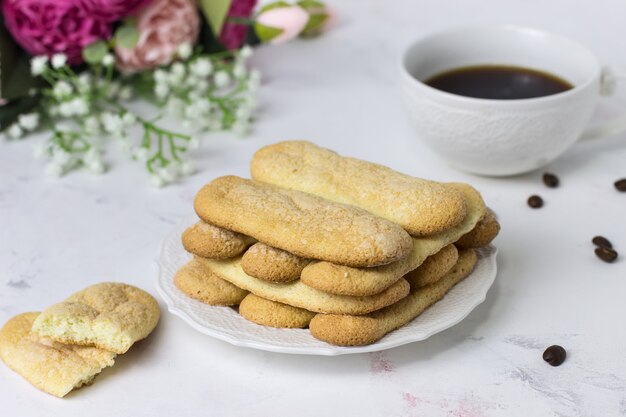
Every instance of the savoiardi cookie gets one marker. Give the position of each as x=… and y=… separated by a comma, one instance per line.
x=352, y=330
x=274, y=314
x=53, y=367
x=300, y=223
x=300, y=295
x=272, y=264
x=197, y=281
x=420, y=206
x=209, y=241
x=109, y=315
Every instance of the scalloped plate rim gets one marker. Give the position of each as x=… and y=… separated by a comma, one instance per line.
x=487, y=258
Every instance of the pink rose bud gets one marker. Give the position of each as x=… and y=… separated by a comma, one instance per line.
x=281, y=24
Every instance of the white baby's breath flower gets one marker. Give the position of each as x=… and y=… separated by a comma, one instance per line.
x=112, y=123
x=28, y=121
x=62, y=89
x=108, y=60
x=221, y=79
x=184, y=50
x=54, y=170
x=126, y=93
x=58, y=61
x=241, y=127
x=254, y=80
x=202, y=67
x=66, y=109
x=15, y=131
x=61, y=157
x=239, y=71
x=38, y=65
x=243, y=113
x=245, y=52
x=129, y=119
x=161, y=91
x=92, y=159
x=141, y=154
x=168, y=173
x=160, y=76
x=187, y=168
x=157, y=181
x=79, y=105
x=91, y=125
x=84, y=82
x=113, y=89
x=178, y=69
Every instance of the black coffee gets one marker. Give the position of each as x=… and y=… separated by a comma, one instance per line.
x=498, y=82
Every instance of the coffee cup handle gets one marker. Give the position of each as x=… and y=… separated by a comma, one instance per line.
x=608, y=85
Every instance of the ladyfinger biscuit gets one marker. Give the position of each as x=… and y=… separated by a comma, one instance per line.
x=485, y=231
x=366, y=281
x=109, y=315
x=271, y=264
x=52, y=367
x=204, y=239
x=305, y=225
x=434, y=267
x=197, y=281
x=346, y=330
x=421, y=207
x=300, y=295
x=273, y=314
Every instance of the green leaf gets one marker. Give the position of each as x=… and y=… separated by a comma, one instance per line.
x=208, y=41
x=311, y=4
x=215, y=12
x=94, y=53
x=266, y=33
x=11, y=111
x=127, y=36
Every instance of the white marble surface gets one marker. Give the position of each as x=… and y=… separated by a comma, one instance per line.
x=57, y=236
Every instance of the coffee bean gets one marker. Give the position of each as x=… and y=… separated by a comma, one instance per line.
x=606, y=254
x=535, y=201
x=550, y=180
x=554, y=355
x=620, y=185
x=602, y=242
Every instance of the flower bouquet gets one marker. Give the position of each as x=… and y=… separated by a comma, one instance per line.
x=75, y=68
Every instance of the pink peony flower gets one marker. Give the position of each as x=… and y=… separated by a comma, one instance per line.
x=233, y=34
x=112, y=10
x=163, y=26
x=47, y=27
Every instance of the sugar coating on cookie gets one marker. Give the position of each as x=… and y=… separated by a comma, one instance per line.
x=485, y=231
x=197, y=281
x=302, y=224
x=209, y=241
x=52, y=367
x=300, y=295
x=422, y=207
x=344, y=280
x=434, y=267
x=351, y=330
x=272, y=264
x=108, y=315
x=274, y=314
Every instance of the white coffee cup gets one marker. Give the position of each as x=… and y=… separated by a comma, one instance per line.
x=503, y=137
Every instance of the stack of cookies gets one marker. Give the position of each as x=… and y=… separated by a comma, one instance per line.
x=350, y=249
x=69, y=343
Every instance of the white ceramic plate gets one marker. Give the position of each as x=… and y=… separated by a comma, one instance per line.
x=226, y=324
